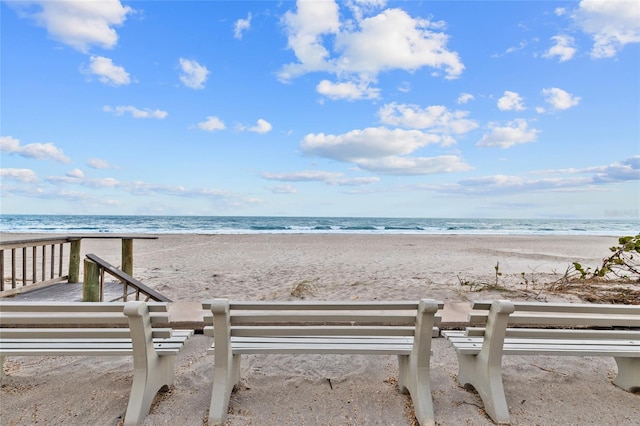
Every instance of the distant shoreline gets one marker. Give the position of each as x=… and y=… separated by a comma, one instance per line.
x=227, y=225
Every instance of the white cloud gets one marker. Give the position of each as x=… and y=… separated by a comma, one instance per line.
x=305, y=29
x=330, y=178
x=322, y=43
x=262, y=127
x=97, y=163
x=107, y=72
x=74, y=178
x=358, y=181
x=136, y=112
x=39, y=151
x=611, y=23
x=368, y=143
x=436, y=118
x=76, y=173
x=404, y=87
x=554, y=180
x=241, y=26
x=282, y=189
x=79, y=24
x=21, y=175
x=140, y=188
x=515, y=132
x=362, y=7
x=211, y=123
x=465, y=98
x=560, y=11
x=626, y=170
x=564, y=48
x=520, y=46
x=193, y=74
x=560, y=99
x=382, y=150
x=303, y=176
x=347, y=90
x=415, y=165
x=399, y=42
x=504, y=184
x=510, y=101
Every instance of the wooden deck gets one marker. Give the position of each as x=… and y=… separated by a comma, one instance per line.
x=65, y=292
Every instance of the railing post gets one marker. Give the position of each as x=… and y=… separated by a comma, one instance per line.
x=127, y=256
x=74, y=261
x=91, y=286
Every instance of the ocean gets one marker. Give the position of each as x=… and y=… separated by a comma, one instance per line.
x=76, y=224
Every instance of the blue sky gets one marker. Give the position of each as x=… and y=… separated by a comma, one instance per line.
x=514, y=109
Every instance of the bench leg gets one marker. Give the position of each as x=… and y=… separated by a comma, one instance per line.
x=146, y=384
x=419, y=387
x=225, y=377
x=235, y=370
x=628, y=374
x=415, y=380
x=403, y=369
x=2, y=375
x=486, y=378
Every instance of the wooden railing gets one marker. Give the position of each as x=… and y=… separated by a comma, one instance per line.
x=37, y=262
x=33, y=263
x=93, y=289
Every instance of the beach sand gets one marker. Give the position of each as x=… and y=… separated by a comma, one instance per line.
x=331, y=389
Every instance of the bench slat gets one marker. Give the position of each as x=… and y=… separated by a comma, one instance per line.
x=71, y=333
x=565, y=307
x=86, y=351
x=558, y=332
x=72, y=319
x=75, y=333
x=8, y=306
x=321, y=349
x=589, y=320
x=462, y=340
x=519, y=318
x=28, y=318
x=322, y=330
x=609, y=351
x=320, y=340
x=294, y=317
x=305, y=305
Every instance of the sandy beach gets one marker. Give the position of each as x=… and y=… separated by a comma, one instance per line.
x=295, y=390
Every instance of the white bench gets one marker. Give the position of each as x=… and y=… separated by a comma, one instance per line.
x=531, y=328
x=77, y=328
x=404, y=329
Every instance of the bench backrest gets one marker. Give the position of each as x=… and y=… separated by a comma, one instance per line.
x=75, y=319
x=561, y=315
x=307, y=318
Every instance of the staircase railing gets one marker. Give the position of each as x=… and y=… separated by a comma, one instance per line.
x=93, y=289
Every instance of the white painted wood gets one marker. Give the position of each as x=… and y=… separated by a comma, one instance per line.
x=401, y=328
x=76, y=328
x=522, y=328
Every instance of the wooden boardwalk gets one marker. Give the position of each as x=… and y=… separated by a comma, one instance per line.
x=65, y=292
